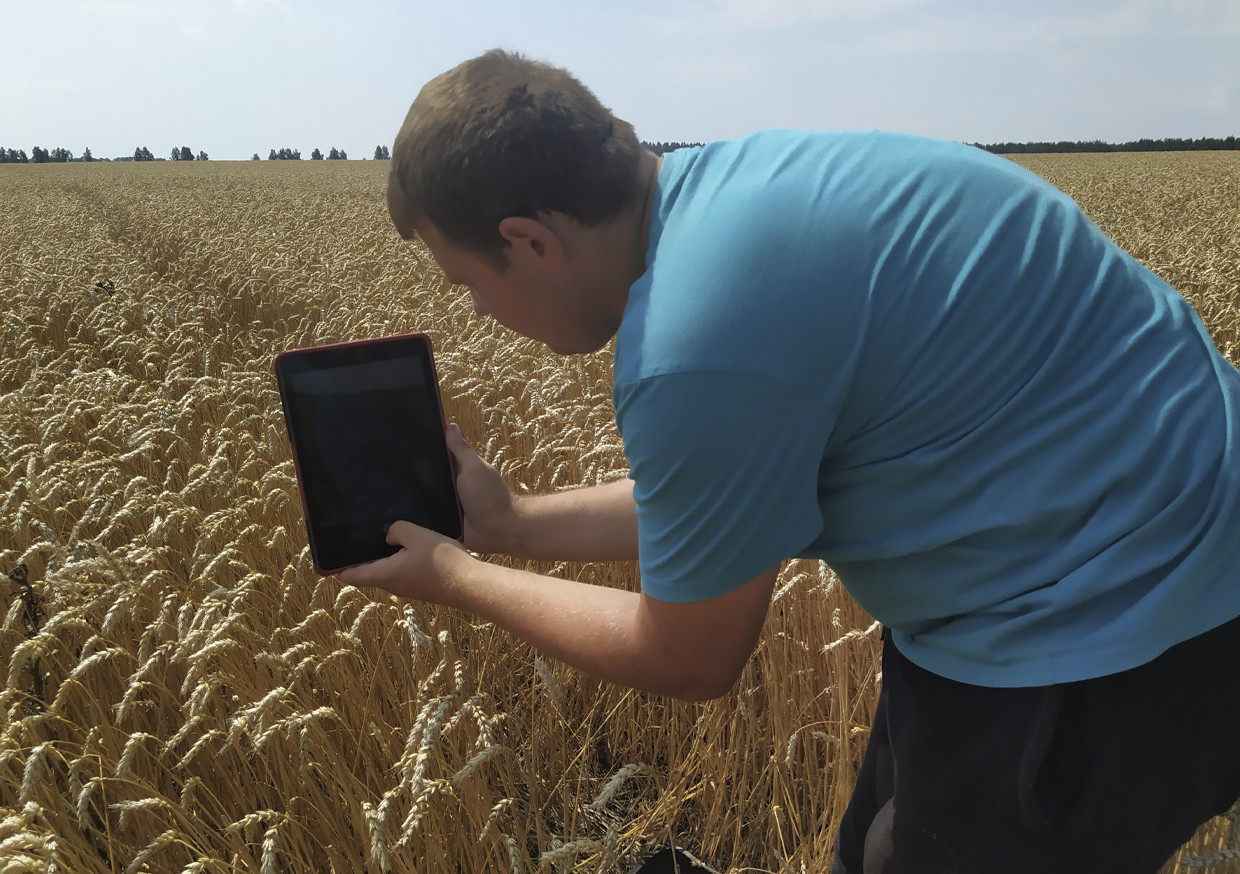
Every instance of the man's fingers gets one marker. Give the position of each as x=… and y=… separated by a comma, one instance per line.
x=460, y=449
x=373, y=573
x=359, y=576
x=366, y=574
x=398, y=533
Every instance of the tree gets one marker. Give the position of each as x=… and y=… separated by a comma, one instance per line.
x=38, y=155
x=142, y=153
x=316, y=155
x=663, y=148
x=60, y=155
x=186, y=154
x=202, y=156
x=255, y=158
x=382, y=153
x=87, y=156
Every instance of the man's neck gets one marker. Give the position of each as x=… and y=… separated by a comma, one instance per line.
x=651, y=164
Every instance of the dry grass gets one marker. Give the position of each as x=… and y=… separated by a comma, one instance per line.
x=185, y=694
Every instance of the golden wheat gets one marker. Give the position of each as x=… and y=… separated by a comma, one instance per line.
x=185, y=694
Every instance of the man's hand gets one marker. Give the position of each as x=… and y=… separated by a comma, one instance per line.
x=598, y=523
x=420, y=570
x=489, y=505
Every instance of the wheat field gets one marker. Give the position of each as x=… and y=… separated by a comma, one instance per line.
x=184, y=694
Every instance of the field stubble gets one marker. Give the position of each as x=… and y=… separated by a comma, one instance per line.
x=184, y=693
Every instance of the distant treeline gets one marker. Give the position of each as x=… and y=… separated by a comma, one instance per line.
x=664, y=148
x=58, y=155
x=39, y=155
x=1172, y=144
x=184, y=153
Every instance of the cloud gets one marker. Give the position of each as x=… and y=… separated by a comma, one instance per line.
x=113, y=8
x=1217, y=18
x=247, y=5
x=696, y=16
x=991, y=29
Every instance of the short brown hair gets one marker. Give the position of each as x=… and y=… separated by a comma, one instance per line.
x=501, y=135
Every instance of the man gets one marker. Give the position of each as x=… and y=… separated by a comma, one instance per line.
x=1017, y=447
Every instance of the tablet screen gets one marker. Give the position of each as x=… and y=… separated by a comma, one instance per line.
x=367, y=433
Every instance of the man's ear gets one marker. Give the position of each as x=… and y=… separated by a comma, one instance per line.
x=528, y=237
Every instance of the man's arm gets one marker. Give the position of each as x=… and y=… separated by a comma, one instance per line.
x=692, y=651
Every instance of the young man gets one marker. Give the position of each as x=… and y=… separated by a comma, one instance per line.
x=1018, y=448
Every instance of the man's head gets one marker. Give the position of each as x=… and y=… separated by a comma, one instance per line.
x=501, y=136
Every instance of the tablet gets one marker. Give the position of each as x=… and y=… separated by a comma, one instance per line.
x=367, y=430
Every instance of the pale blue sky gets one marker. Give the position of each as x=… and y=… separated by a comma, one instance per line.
x=234, y=77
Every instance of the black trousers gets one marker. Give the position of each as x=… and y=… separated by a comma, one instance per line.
x=1110, y=774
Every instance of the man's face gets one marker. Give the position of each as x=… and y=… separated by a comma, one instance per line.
x=532, y=300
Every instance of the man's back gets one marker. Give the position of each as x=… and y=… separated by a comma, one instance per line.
x=1015, y=444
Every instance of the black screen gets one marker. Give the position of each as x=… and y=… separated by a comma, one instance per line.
x=367, y=433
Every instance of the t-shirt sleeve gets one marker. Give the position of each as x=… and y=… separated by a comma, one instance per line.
x=725, y=470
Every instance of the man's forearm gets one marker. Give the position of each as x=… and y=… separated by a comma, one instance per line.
x=593, y=628
x=611, y=634
x=693, y=649
x=597, y=523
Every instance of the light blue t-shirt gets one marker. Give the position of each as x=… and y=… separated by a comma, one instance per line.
x=1016, y=445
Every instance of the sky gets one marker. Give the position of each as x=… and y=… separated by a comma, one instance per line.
x=238, y=77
